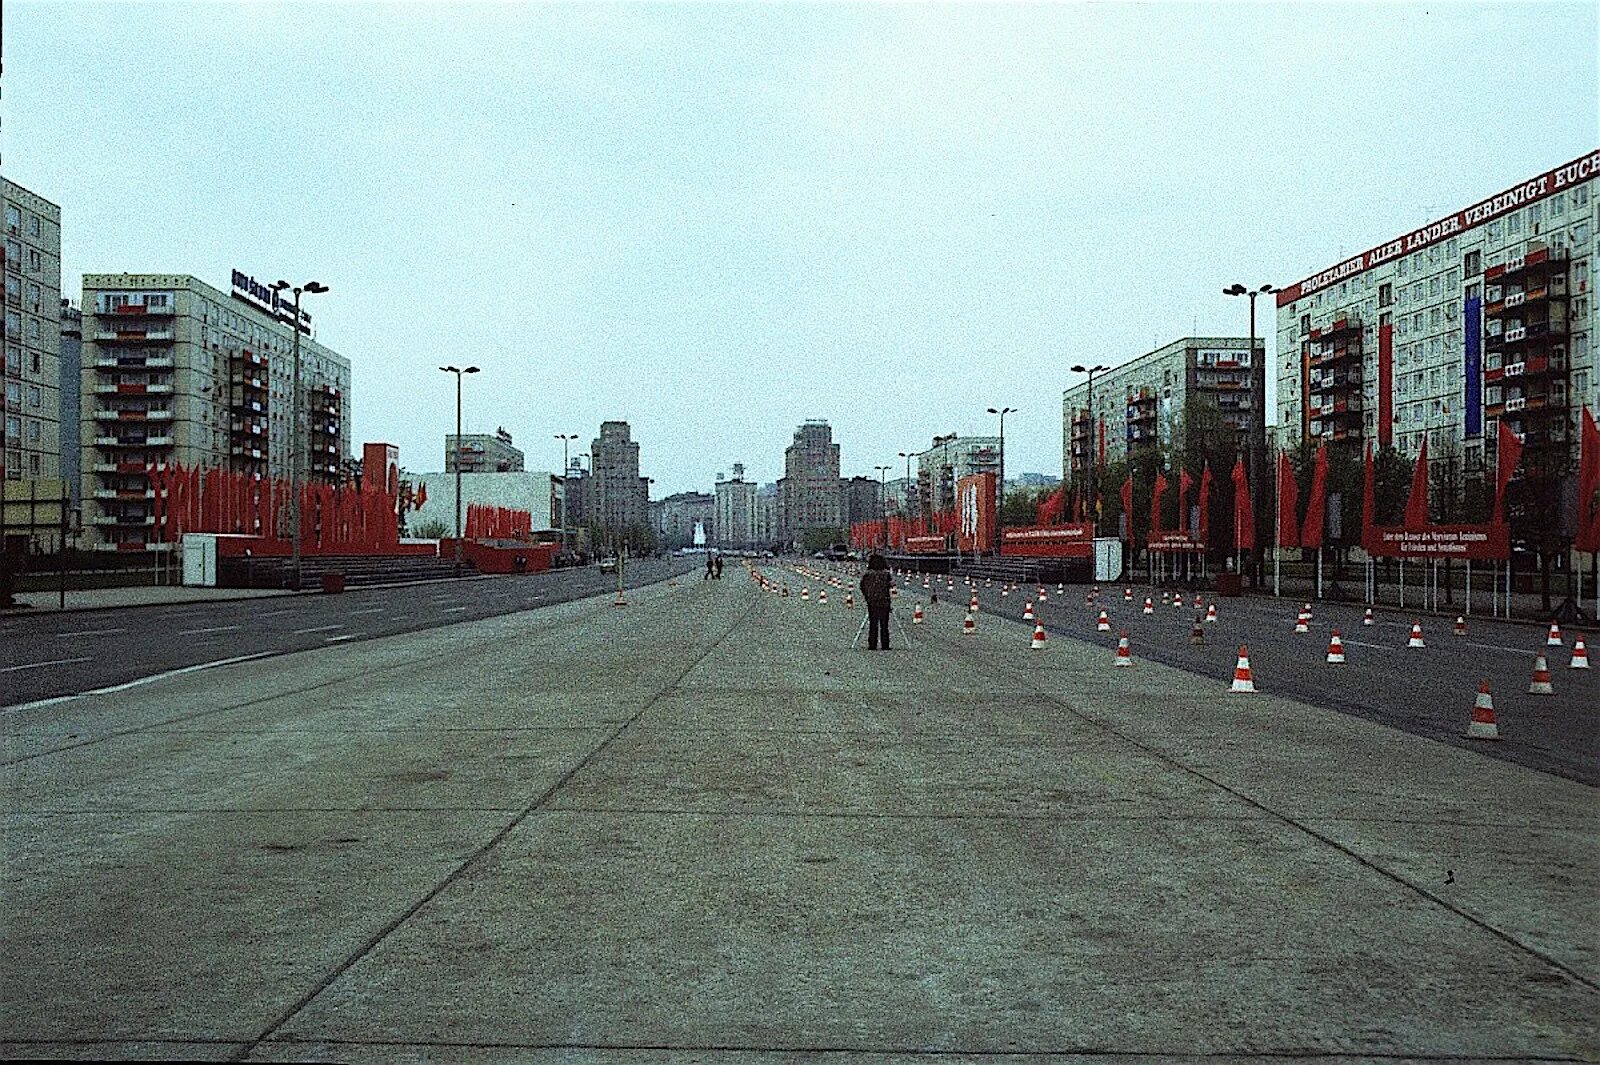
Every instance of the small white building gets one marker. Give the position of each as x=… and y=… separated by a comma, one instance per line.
x=537, y=492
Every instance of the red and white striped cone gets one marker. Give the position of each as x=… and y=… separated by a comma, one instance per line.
x=969, y=627
x=1302, y=623
x=1461, y=626
x=1124, y=652
x=1104, y=624
x=1580, y=654
x=1306, y=610
x=1088, y=598
x=972, y=604
x=1416, y=635
x=1038, y=637
x=1127, y=595
x=916, y=614
x=1040, y=595
x=1198, y=603
x=1164, y=598
x=1027, y=611
x=1149, y=605
x=1366, y=619
x=1539, y=683
x=1061, y=588
x=1335, y=649
x=822, y=597
x=1554, y=639
x=1005, y=591
x=1177, y=602
x=1483, y=725
x=850, y=600
x=805, y=593
x=1243, y=679
x=1211, y=614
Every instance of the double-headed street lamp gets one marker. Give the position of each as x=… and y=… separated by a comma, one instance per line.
x=458, y=372
x=908, y=456
x=1000, y=519
x=565, y=439
x=883, y=501
x=1094, y=514
x=294, y=423
x=1258, y=397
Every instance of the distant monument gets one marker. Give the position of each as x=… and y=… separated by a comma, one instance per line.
x=699, y=534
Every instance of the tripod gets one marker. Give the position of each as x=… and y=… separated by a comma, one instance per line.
x=894, y=620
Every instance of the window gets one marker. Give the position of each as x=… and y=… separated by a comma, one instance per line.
x=33, y=432
x=33, y=360
x=1514, y=224
x=13, y=219
x=35, y=299
x=35, y=399
x=1401, y=269
x=1305, y=324
x=1473, y=264
x=13, y=290
x=1433, y=285
x=1580, y=195
x=1385, y=294
x=13, y=324
x=13, y=254
x=33, y=328
x=1558, y=205
x=33, y=465
x=1494, y=231
x=34, y=262
x=13, y=359
x=33, y=224
x=1580, y=232
x=13, y=394
x=1473, y=292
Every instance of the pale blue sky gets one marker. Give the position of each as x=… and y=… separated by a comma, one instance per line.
x=716, y=221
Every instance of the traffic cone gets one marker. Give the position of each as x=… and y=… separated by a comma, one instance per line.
x=916, y=614
x=1124, y=655
x=969, y=627
x=1302, y=623
x=972, y=604
x=1127, y=595
x=1416, y=635
x=805, y=593
x=1483, y=726
x=1554, y=639
x=1211, y=613
x=822, y=597
x=1088, y=597
x=1306, y=610
x=1004, y=591
x=1039, y=593
x=1461, y=626
x=1335, y=649
x=1061, y=588
x=1149, y=605
x=620, y=601
x=850, y=600
x=1164, y=598
x=1104, y=624
x=1242, y=679
x=1366, y=619
x=1038, y=637
x=1197, y=603
x=1027, y=611
x=1198, y=633
x=785, y=592
x=1539, y=684
x=1177, y=602
x=1580, y=654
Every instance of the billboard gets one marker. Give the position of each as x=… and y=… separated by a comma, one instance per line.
x=975, y=504
x=1489, y=541
x=1174, y=541
x=1048, y=541
x=925, y=545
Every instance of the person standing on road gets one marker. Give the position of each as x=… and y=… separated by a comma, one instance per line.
x=711, y=565
x=875, y=590
x=719, y=567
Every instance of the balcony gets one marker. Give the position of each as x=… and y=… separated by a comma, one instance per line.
x=130, y=415
x=158, y=388
x=138, y=310
x=133, y=336
x=135, y=362
x=130, y=494
x=132, y=521
x=240, y=451
x=1536, y=263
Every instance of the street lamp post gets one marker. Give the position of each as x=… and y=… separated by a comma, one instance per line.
x=565, y=439
x=1094, y=489
x=294, y=425
x=908, y=456
x=1000, y=518
x=883, y=502
x=1257, y=396
x=458, y=371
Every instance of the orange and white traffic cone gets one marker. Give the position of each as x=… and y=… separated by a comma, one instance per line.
x=1416, y=635
x=1127, y=595
x=1554, y=639
x=1061, y=588
x=972, y=604
x=850, y=600
x=1366, y=619
x=1306, y=610
x=1041, y=595
x=1005, y=590
x=1177, y=602
x=1197, y=603
x=1149, y=605
x=1211, y=614
x=1104, y=624
x=1198, y=633
x=1539, y=683
x=1027, y=611
x=916, y=614
x=1038, y=637
x=822, y=597
x=969, y=627
x=1302, y=623
x=1243, y=680
x=1461, y=626
x=1580, y=654
x=1335, y=649
x=805, y=593
x=1483, y=725
x=1124, y=653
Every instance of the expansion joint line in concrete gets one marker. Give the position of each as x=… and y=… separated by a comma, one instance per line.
x=477, y=856
x=1302, y=827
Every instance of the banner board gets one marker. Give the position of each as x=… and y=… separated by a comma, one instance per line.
x=1488, y=541
x=925, y=545
x=1174, y=541
x=1048, y=541
x=976, y=505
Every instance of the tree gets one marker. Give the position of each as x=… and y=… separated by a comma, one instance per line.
x=814, y=540
x=433, y=529
x=1022, y=505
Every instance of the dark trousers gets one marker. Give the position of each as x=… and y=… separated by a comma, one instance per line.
x=877, y=628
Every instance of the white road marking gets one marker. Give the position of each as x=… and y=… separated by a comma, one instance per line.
x=370, y=610
x=87, y=632
x=346, y=636
x=41, y=665
x=141, y=681
x=317, y=628
x=271, y=613
x=202, y=632
x=1541, y=649
x=453, y=609
x=1375, y=646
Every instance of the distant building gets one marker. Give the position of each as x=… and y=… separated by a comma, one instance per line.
x=861, y=500
x=769, y=522
x=809, y=489
x=900, y=496
x=30, y=448
x=72, y=401
x=537, y=492
x=1032, y=480
x=616, y=497
x=680, y=513
x=734, y=523
x=946, y=460
x=482, y=453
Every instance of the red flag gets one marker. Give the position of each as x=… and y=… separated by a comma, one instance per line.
x=1185, y=482
x=1205, y=504
x=1510, y=453
x=1155, y=502
x=1317, y=504
x=1288, y=503
x=1417, y=502
x=1588, y=538
x=1127, y=504
x=1244, y=513
x=1368, y=501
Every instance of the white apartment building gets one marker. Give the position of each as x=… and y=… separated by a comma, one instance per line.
x=176, y=371
x=1487, y=314
x=733, y=523
x=946, y=460
x=30, y=407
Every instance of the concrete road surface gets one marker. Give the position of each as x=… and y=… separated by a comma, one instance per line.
x=701, y=828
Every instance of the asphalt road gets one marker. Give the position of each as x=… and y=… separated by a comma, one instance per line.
x=55, y=654
x=1427, y=692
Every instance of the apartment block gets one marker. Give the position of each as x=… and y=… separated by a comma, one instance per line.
x=30, y=407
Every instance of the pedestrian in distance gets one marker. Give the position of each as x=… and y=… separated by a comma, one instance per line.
x=875, y=590
x=719, y=567
x=711, y=566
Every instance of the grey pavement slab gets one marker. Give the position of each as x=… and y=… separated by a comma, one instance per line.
x=709, y=831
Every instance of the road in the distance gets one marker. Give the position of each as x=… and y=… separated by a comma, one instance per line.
x=45, y=655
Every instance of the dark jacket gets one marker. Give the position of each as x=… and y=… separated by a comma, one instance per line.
x=875, y=589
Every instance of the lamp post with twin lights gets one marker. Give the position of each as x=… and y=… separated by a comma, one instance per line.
x=1000, y=518
x=294, y=424
x=1094, y=489
x=458, y=371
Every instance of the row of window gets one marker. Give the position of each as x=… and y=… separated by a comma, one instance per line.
x=14, y=217
x=15, y=429
x=17, y=364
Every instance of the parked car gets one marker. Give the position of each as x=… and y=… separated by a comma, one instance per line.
x=608, y=565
